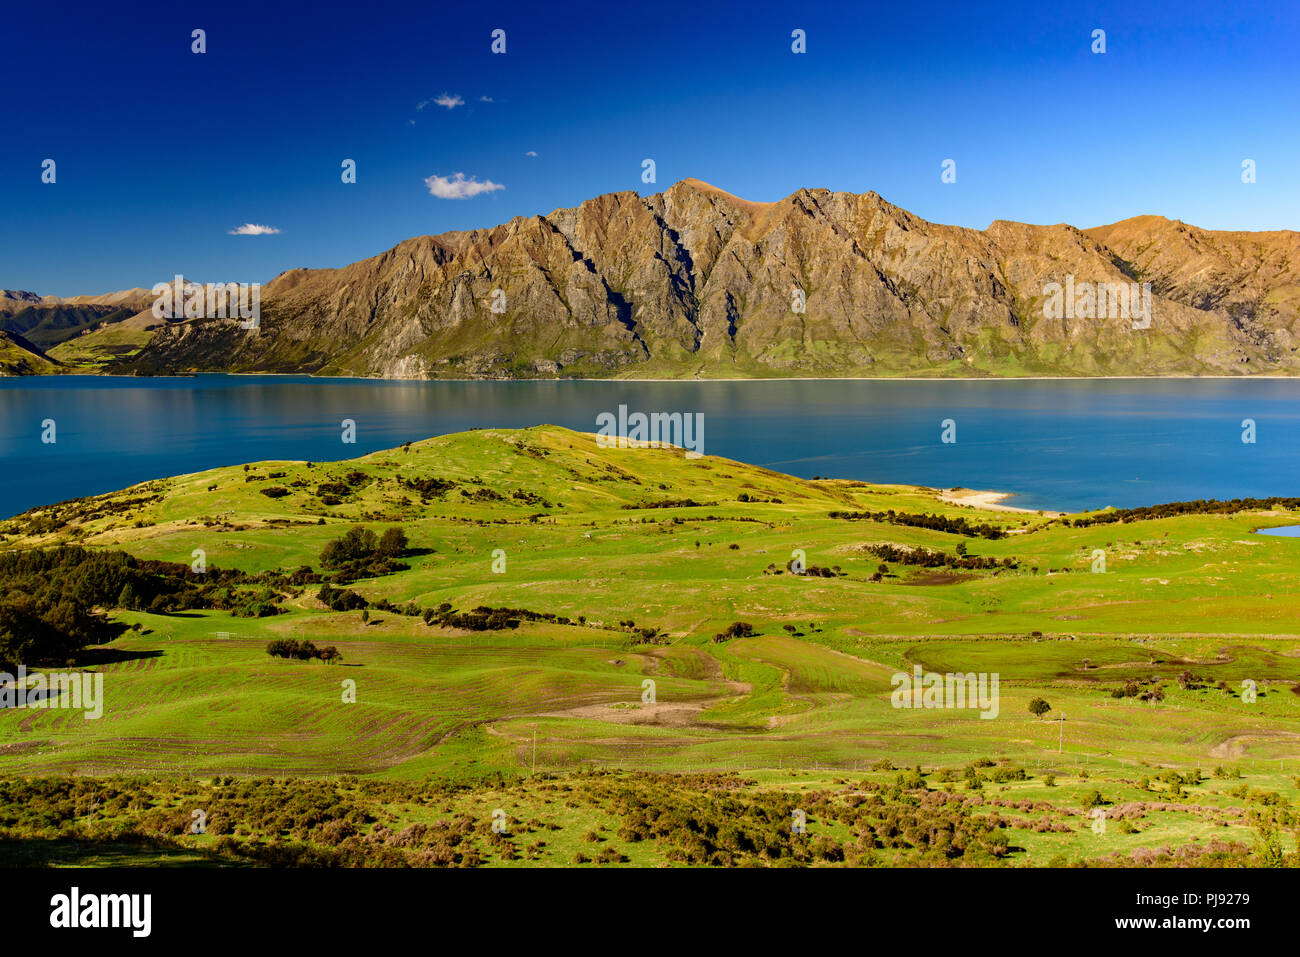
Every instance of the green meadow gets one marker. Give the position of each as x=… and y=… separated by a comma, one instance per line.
x=1171, y=675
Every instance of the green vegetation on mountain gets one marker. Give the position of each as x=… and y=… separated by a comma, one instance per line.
x=20, y=357
x=47, y=326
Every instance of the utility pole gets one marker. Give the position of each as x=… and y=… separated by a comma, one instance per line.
x=1060, y=738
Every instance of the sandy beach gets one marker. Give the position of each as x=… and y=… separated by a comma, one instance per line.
x=992, y=501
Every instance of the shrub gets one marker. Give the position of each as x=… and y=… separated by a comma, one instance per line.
x=737, y=629
x=1093, y=799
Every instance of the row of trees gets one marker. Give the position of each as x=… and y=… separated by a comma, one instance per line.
x=1200, y=506
x=939, y=523
x=302, y=651
x=927, y=558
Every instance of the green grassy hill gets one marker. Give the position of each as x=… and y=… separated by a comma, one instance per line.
x=20, y=357
x=634, y=561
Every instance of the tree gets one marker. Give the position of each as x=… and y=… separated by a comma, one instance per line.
x=126, y=597
x=392, y=544
x=1038, y=707
x=737, y=629
x=357, y=544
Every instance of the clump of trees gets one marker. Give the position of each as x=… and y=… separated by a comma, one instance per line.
x=737, y=629
x=939, y=523
x=1144, y=689
x=53, y=600
x=481, y=495
x=429, y=487
x=302, y=651
x=341, y=599
x=813, y=571
x=530, y=498
x=489, y=618
x=333, y=492
x=1039, y=707
x=927, y=558
x=360, y=553
x=482, y=618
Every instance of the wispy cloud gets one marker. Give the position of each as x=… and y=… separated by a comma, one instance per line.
x=531, y=153
x=253, y=229
x=449, y=100
x=457, y=186
x=485, y=99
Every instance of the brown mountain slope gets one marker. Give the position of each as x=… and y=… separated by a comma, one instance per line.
x=696, y=282
x=1252, y=278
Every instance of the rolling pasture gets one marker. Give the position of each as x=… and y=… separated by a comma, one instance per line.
x=650, y=557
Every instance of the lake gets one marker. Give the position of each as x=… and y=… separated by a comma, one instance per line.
x=1060, y=444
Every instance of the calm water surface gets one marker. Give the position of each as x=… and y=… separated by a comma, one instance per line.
x=1069, y=445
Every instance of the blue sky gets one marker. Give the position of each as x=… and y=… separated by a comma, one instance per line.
x=161, y=153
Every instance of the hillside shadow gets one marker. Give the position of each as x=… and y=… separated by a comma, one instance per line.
x=130, y=852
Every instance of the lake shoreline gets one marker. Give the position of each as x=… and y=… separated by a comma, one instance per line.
x=991, y=501
x=691, y=379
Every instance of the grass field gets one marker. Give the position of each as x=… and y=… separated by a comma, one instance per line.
x=546, y=520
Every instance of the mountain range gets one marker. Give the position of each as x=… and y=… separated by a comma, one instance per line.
x=696, y=282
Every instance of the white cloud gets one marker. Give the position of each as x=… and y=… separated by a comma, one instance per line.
x=531, y=153
x=485, y=99
x=457, y=186
x=253, y=229
x=449, y=100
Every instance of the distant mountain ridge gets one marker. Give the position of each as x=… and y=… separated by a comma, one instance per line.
x=695, y=282
x=15, y=300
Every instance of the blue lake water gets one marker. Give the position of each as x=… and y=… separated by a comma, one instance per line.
x=1285, y=531
x=1063, y=444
